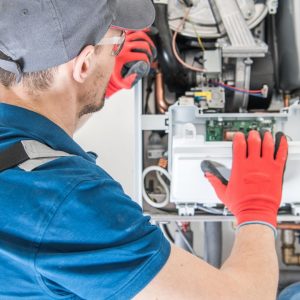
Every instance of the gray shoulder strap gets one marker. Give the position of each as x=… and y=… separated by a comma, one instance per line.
x=39, y=154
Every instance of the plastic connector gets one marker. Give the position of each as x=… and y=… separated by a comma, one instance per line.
x=163, y=163
x=265, y=91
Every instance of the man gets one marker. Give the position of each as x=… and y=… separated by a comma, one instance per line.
x=67, y=230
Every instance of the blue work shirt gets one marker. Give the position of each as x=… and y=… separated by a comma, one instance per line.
x=67, y=230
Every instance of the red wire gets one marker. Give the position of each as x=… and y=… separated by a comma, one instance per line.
x=241, y=90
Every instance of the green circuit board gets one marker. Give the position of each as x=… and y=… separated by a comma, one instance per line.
x=224, y=130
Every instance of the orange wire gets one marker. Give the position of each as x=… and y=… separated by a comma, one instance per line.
x=175, y=49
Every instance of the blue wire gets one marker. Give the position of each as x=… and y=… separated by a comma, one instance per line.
x=242, y=92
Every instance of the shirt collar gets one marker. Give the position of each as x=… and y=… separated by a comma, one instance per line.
x=17, y=124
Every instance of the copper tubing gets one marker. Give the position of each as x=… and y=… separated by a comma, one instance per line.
x=286, y=100
x=160, y=100
x=287, y=226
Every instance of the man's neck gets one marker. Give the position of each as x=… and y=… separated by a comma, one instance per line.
x=54, y=107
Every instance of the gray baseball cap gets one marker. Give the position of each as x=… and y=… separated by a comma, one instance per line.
x=39, y=34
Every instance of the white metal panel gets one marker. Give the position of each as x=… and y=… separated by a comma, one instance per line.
x=190, y=186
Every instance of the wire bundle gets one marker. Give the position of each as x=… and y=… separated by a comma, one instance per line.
x=255, y=93
x=174, y=46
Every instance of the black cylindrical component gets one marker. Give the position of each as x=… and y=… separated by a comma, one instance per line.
x=213, y=243
x=272, y=40
x=288, y=24
x=177, y=78
x=262, y=72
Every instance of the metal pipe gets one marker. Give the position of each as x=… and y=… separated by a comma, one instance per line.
x=289, y=255
x=288, y=226
x=161, y=103
x=213, y=243
x=286, y=100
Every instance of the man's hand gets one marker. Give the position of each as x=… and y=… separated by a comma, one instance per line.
x=253, y=193
x=133, y=62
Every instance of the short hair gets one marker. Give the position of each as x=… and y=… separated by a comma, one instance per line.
x=34, y=81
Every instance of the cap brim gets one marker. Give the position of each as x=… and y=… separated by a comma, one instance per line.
x=134, y=14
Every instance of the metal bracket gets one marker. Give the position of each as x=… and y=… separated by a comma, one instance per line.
x=272, y=6
x=242, y=80
x=186, y=209
x=242, y=42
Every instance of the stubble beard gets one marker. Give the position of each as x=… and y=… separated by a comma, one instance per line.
x=92, y=107
x=91, y=97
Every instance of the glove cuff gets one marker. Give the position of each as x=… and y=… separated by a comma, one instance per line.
x=258, y=223
x=259, y=214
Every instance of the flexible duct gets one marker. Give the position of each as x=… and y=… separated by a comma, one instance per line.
x=213, y=243
x=177, y=78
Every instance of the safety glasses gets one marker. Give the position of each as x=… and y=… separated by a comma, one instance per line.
x=117, y=41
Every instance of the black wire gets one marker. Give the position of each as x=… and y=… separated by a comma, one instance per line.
x=168, y=233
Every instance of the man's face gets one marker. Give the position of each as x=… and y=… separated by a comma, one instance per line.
x=92, y=94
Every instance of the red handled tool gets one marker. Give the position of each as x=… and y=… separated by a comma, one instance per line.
x=133, y=62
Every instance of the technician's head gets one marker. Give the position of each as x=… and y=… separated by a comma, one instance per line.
x=51, y=46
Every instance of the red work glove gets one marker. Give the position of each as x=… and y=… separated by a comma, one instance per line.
x=253, y=192
x=133, y=62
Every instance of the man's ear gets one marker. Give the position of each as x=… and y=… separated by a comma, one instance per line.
x=82, y=64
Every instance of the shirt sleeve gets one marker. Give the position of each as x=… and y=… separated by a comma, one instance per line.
x=99, y=245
